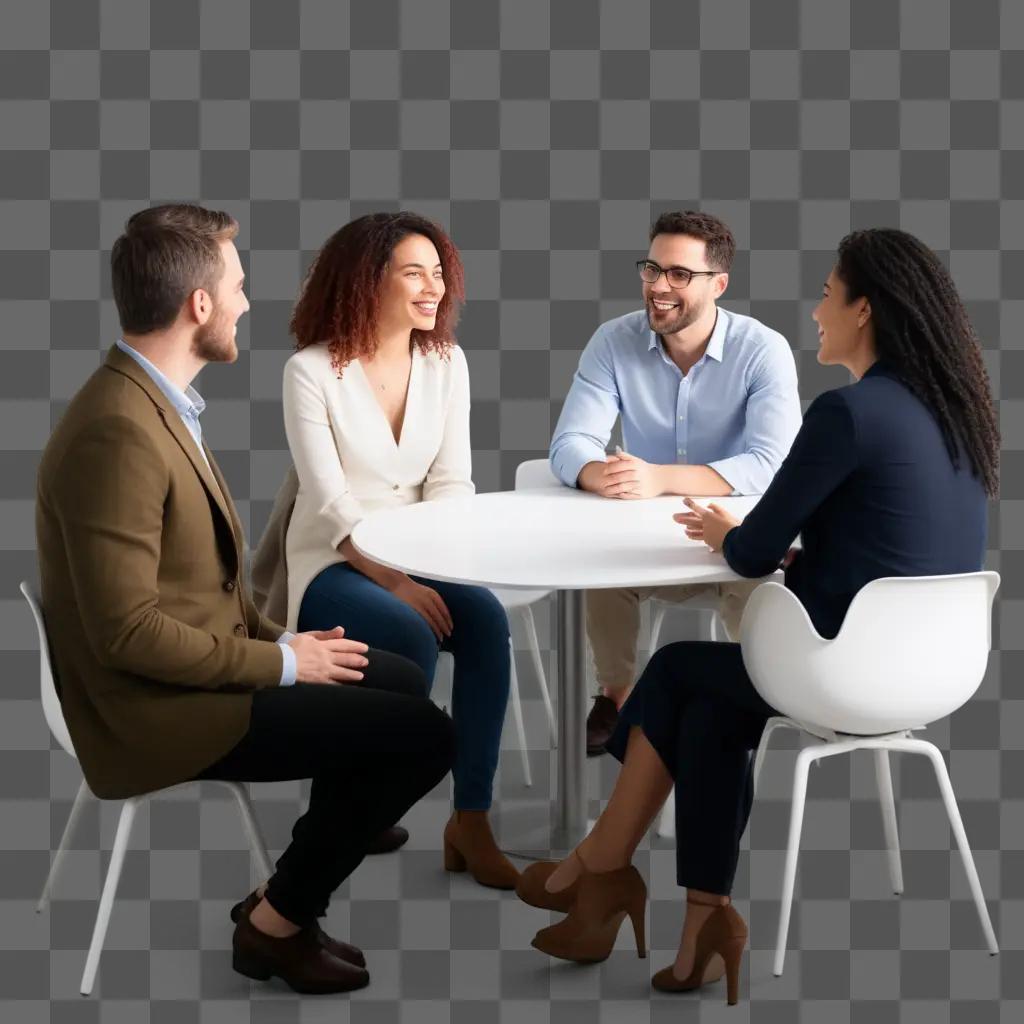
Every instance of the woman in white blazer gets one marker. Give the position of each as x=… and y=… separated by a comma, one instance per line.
x=376, y=409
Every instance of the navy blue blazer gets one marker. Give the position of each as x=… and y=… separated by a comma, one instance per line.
x=871, y=488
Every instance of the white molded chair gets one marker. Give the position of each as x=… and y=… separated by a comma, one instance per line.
x=55, y=720
x=518, y=604
x=911, y=650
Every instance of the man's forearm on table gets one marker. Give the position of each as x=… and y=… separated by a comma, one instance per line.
x=693, y=480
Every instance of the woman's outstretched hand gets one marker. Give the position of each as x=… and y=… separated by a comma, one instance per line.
x=709, y=524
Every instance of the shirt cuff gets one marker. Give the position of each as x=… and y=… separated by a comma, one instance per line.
x=569, y=463
x=289, y=666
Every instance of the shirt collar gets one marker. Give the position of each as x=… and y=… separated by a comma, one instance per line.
x=716, y=343
x=186, y=403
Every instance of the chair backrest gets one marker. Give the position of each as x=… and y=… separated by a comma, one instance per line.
x=47, y=687
x=535, y=473
x=911, y=650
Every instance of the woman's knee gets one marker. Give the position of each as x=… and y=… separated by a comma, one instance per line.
x=481, y=618
x=667, y=665
x=415, y=640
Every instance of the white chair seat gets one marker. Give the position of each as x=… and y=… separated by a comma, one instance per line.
x=911, y=650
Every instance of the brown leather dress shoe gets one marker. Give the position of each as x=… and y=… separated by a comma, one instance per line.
x=389, y=840
x=601, y=722
x=299, y=961
x=342, y=950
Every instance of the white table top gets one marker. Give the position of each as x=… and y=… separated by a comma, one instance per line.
x=552, y=538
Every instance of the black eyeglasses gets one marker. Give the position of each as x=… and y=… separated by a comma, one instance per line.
x=677, y=277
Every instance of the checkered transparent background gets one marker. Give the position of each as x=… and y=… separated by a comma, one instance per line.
x=545, y=136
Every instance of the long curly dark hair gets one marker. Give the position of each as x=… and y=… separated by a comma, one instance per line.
x=340, y=299
x=923, y=333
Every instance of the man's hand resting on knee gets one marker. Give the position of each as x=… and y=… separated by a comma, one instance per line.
x=325, y=656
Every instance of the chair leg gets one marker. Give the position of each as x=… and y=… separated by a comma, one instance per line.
x=58, y=858
x=887, y=805
x=252, y=830
x=796, y=820
x=517, y=713
x=526, y=617
x=762, y=748
x=957, y=825
x=444, y=673
x=99, y=932
x=659, y=621
x=667, y=818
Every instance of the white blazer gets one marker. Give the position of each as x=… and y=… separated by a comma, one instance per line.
x=346, y=457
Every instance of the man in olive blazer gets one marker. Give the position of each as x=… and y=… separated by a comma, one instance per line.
x=165, y=668
x=158, y=645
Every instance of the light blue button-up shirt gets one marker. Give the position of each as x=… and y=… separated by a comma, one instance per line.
x=189, y=405
x=737, y=410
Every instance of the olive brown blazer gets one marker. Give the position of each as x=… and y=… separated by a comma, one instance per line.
x=157, y=646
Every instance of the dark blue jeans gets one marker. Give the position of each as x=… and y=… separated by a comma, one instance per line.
x=341, y=596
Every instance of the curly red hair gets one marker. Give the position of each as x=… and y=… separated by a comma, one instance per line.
x=340, y=299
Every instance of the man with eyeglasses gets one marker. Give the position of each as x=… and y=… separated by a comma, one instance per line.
x=709, y=406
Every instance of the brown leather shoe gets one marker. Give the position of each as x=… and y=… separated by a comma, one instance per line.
x=530, y=888
x=718, y=950
x=342, y=950
x=469, y=845
x=603, y=902
x=299, y=961
x=389, y=840
x=601, y=722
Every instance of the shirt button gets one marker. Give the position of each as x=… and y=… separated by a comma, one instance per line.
x=229, y=585
x=394, y=487
x=239, y=630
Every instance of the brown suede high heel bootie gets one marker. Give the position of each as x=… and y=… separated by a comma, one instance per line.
x=602, y=903
x=469, y=846
x=531, y=887
x=724, y=932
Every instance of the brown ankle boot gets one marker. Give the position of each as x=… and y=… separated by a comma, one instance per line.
x=469, y=846
x=603, y=902
x=531, y=887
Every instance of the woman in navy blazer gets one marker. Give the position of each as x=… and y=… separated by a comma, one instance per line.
x=888, y=477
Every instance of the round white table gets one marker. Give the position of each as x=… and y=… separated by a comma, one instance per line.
x=552, y=538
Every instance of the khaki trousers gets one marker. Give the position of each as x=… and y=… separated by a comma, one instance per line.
x=613, y=622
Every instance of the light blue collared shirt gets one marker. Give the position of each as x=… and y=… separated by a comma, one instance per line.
x=737, y=410
x=189, y=405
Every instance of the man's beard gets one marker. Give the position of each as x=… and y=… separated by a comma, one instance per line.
x=214, y=341
x=677, y=320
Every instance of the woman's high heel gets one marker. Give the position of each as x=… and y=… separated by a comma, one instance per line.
x=724, y=932
x=531, y=887
x=603, y=901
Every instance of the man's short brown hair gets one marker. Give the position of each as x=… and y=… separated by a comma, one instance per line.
x=164, y=255
x=719, y=245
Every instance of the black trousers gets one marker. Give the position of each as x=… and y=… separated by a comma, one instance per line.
x=698, y=708
x=372, y=750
